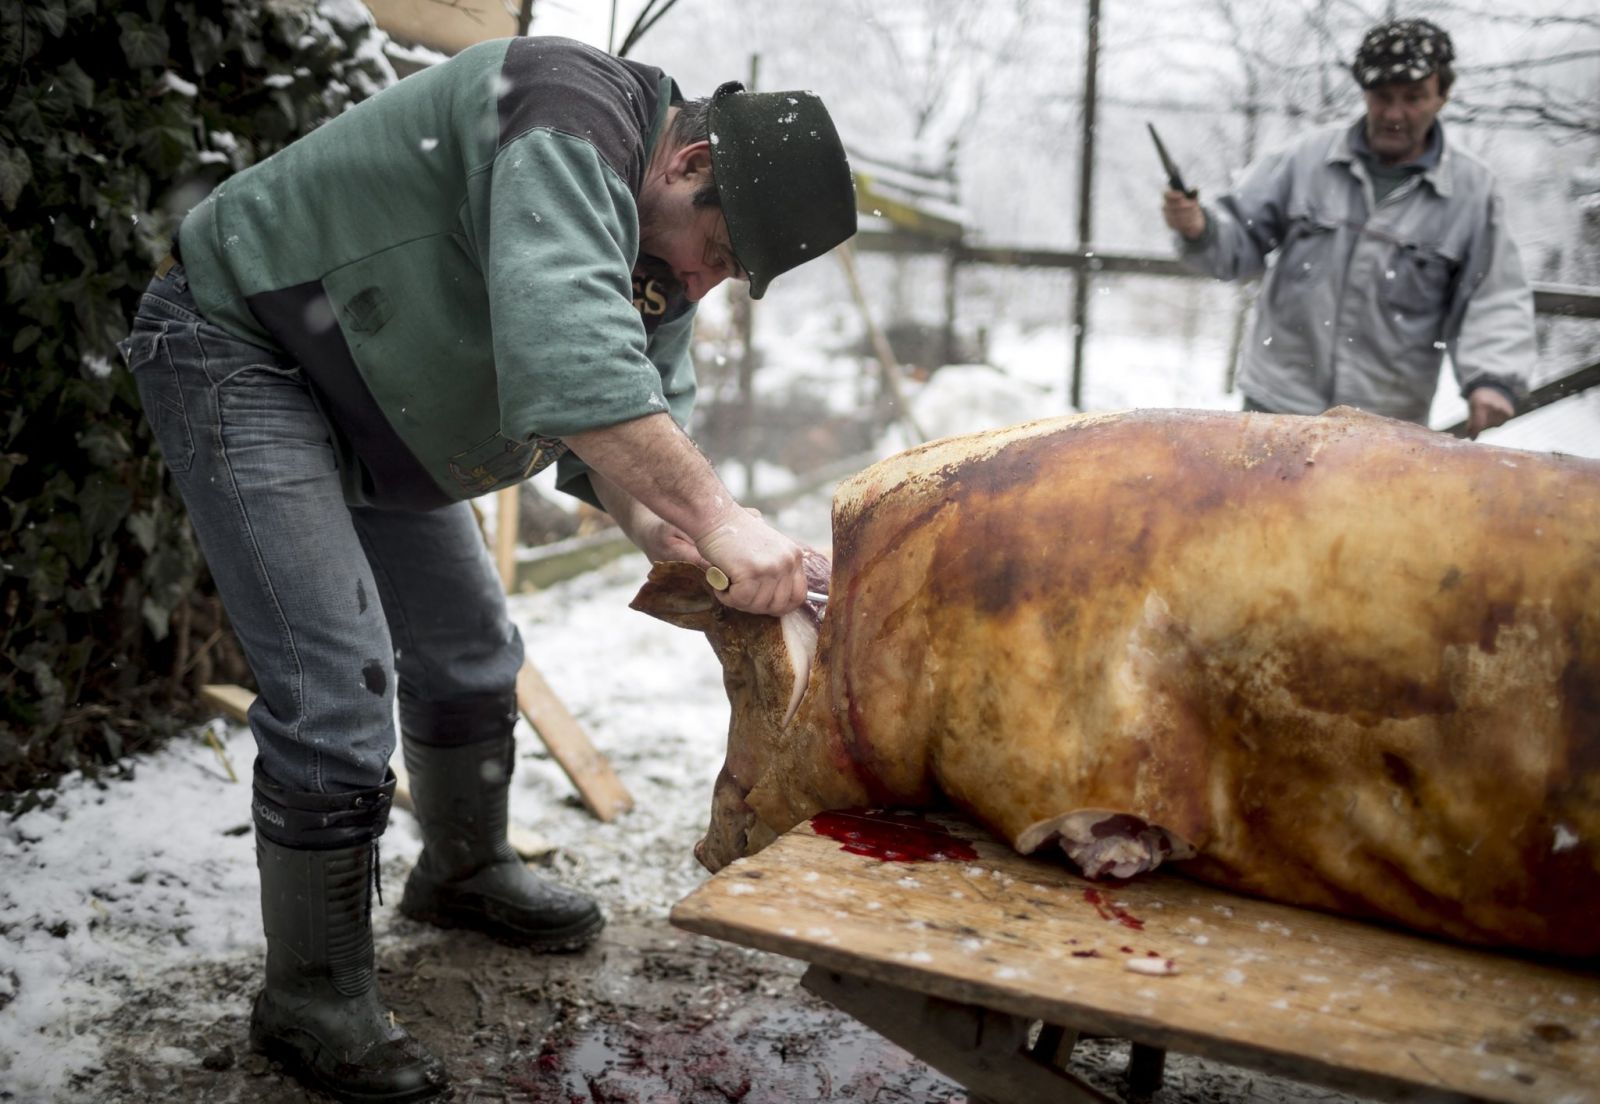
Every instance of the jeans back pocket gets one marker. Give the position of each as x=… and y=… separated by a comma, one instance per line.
x=149, y=358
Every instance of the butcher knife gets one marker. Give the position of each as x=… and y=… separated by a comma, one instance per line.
x=1174, y=177
x=719, y=581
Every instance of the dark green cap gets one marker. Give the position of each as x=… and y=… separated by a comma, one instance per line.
x=782, y=177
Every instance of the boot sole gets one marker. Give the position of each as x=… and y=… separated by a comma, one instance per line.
x=573, y=937
x=297, y=1066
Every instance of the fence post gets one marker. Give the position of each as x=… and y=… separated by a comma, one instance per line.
x=1080, y=296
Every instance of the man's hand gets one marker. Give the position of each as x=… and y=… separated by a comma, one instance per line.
x=660, y=489
x=1184, y=214
x=765, y=569
x=1487, y=407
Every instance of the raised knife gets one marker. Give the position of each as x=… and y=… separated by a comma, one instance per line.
x=1174, y=177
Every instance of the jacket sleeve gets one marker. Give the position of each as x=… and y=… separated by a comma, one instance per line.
x=557, y=247
x=669, y=352
x=1489, y=333
x=1244, y=226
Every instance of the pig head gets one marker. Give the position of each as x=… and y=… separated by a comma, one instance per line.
x=776, y=772
x=1341, y=662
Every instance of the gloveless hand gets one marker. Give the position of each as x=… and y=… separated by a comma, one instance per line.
x=765, y=569
x=1183, y=213
x=1487, y=407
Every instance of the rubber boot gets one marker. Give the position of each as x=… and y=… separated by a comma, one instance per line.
x=460, y=755
x=320, y=1014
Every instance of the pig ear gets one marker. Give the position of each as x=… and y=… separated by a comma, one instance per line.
x=678, y=594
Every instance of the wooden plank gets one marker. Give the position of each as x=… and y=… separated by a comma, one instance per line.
x=546, y=565
x=507, y=511
x=234, y=703
x=904, y=214
x=601, y=791
x=1298, y=993
x=1567, y=299
x=231, y=701
x=985, y=1051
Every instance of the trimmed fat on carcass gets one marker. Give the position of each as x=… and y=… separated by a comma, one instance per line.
x=1340, y=662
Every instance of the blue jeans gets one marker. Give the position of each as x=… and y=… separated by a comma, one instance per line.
x=331, y=603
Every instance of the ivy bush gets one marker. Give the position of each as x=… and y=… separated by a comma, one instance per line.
x=115, y=118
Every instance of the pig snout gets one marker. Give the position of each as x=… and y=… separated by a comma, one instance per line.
x=727, y=836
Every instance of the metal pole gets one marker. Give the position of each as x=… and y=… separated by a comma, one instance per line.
x=1080, y=297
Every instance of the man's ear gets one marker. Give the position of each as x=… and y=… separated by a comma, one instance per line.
x=692, y=160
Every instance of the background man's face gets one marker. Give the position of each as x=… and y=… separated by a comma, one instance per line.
x=1399, y=116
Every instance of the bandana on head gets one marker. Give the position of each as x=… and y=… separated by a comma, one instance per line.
x=1401, y=50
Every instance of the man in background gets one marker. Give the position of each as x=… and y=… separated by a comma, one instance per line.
x=1390, y=248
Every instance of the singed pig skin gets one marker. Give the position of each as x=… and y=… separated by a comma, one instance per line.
x=1353, y=663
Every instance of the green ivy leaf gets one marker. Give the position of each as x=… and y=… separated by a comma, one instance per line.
x=157, y=617
x=144, y=44
x=9, y=462
x=107, y=447
x=76, y=83
x=15, y=173
x=53, y=15
x=146, y=529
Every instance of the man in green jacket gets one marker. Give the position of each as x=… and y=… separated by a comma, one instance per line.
x=490, y=267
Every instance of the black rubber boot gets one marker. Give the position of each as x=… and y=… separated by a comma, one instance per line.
x=460, y=755
x=320, y=1014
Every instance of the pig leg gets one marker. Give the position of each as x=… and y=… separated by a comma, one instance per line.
x=1105, y=844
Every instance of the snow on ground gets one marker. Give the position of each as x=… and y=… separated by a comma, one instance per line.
x=115, y=884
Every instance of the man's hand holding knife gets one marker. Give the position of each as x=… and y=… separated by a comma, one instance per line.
x=1179, y=203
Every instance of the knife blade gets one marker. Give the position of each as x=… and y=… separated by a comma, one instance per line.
x=1174, y=177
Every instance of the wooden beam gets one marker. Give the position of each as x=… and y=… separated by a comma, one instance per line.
x=888, y=365
x=602, y=792
x=1572, y=383
x=1566, y=299
x=234, y=703
x=903, y=214
x=1562, y=300
x=507, y=508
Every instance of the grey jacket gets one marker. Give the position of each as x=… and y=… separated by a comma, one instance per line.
x=1362, y=300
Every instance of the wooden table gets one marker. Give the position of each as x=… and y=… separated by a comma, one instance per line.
x=960, y=961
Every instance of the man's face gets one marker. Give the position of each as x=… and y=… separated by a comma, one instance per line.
x=1399, y=116
x=692, y=241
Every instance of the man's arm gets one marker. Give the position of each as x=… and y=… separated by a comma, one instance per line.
x=1492, y=344
x=650, y=465
x=1232, y=240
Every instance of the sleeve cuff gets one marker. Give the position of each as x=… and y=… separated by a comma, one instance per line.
x=1504, y=387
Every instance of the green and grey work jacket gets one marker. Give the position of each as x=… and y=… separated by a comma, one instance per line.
x=1363, y=299
x=455, y=265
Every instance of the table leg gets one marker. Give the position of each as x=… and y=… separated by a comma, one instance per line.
x=986, y=1051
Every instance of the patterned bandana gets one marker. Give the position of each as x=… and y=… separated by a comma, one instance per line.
x=1401, y=50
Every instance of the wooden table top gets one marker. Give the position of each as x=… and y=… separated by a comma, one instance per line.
x=1289, y=991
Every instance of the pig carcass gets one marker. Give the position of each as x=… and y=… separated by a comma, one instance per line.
x=1340, y=662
